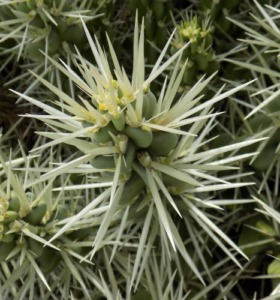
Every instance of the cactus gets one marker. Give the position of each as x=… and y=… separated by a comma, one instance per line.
x=262, y=120
x=134, y=139
x=200, y=54
x=157, y=16
x=27, y=221
x=31, y=27
x=49, y=26
x=137, y=185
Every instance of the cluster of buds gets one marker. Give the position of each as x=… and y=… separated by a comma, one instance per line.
x=27, y=232
x=8, y=214
x=137, y=144
x=200, y=55
x=46, y=25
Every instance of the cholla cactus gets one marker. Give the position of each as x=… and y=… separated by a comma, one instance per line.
x=34, y=25
x=157, y=22
x=261, y=117
x=200, y=55
x=31, y=26
x=148, y=156
x=259, y=237
x=27, y=220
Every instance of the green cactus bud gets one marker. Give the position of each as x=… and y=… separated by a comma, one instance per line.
x=103, y=134
x=37, y=21
x=224, y=23
x=121, y=142
x=14, y=203
x=35, y=247
x=76, y=178
x=264, y=159
x=275, y=138
x=207, y=40
x=23, y=7
x=170, y=181
x=61, y=26
x=223, y=139
x=74, y=34
x=190, y=74
x=258, y=123
x=32, y=50
x=149, y=105
x=274, y=269
x=103, y=162
x=54, y=42
x=76, y=249
x=129, y=158
x=7, y=238
x=4, y=204
x=158, y=9
x=163, y=143
x=10, y=216
x=202, y=60
x=48, y=260
x=36, y=214
x=273, y=105
x=193, y=48
x=60, y=213
x=6, y=249
x=141, y=138
x=144, y=158
x=215, y=11
x=132, y=189
x=250, y=236
x=119, y=122
x=31, y=4
x=266, y=228
x=213, y=66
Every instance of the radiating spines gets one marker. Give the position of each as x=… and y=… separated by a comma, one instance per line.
x=36, y=215
x=148, y=165
x=43, y=25
x=156, y=15
x=141, y=137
